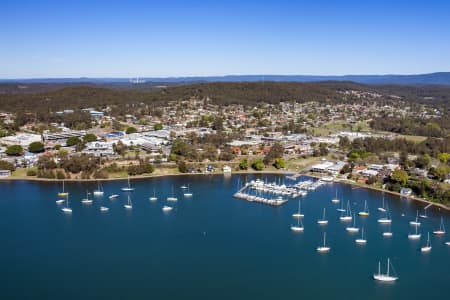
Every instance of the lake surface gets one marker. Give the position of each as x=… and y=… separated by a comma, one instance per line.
x=211, y=246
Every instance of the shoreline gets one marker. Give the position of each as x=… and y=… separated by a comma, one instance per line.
x=273, y=172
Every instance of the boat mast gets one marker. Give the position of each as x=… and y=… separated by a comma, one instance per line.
x=388, y=267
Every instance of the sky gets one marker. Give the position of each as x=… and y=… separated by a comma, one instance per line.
x=128, y=38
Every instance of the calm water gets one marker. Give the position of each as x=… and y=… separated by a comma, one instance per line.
x=210, y=246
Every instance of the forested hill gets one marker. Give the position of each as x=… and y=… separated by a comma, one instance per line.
x=224, y=93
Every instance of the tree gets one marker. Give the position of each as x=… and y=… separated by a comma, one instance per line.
x=36, y=147
x=258, y=164
x=399, y=176
x=131, y=130
x=158, y=126
x=444, y=157
x=279, y=163
x=46, y=162
x=72, y=141
x=14, y=150
x=5, y=165
x=90, y=137
x=276, y=151
x=423, y=161
x=243, y=164
x=182, y=166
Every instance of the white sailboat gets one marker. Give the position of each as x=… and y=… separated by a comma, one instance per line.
x=172, y=197
x=104, y=208
x=388, y=233
x=427, y=247
x=63, y=193
x=167, y=208
x=86, y=200
x=128, y=205
x=299, y=227
x=384, y=277
x=184, y=187
x=447, y=243
x=99, y=191
x=153, y=198
x=128, y=188
x=416, y=221
x=67, y=209
x=322, y=221
x=386, y=219
x=362, y=240
x=113, y=196
x=335, y=199
x=298, y=214
x=352, y=228
x=365, y=212
x=341, y=209
x=441, y=230
x=424, y=215
x=414, y=236
x=324, y=248
x=59, y=201
x=382, y=207
x=187, y=193
x=347, y=216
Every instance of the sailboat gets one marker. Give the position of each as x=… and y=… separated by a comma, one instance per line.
x=187, y=193
x=298, y=214
x=348, y=214
x=384, y=277
x=59, y=201
x=424, y=215
x=335, y=199
x=362, y=240
x=441, y=230
x=386, y=219
x=67, y=209
x=416, y=221
x=128, y=205
x=99, y=191
x=128, y=188
x=414, y=236
x=153, y=198
x=352, y=228
x=447, y=243
x=427, y=247
x=172, y=197
x=299, y=227
x=388, y=233
x=341, y=209
x=86, y=200
x=382, y=207
x=324, y=248
x=104, y=208
x=322, y=221
x=63, y=193
x=167, y=208
x=184, y=187
x=365, y=212
x=113, y=196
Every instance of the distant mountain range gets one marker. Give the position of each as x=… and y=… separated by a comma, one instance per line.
x=439, y=78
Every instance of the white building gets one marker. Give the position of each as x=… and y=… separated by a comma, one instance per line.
x=22, y=139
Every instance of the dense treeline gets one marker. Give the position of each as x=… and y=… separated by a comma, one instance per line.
x=434, y=127
x=247, y=93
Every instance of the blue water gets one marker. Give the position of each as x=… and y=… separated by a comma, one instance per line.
x=210, y=246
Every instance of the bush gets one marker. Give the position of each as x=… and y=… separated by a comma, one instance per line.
x=72, y=141
x=14, y=150
x=101, y=174
x=36, y=147
x=31, y=172
x=158, y=126
x=60, y=174
x=258, y=164
x=90, y=137
x=131, y=130
x=279, y=163
x=243, y=164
